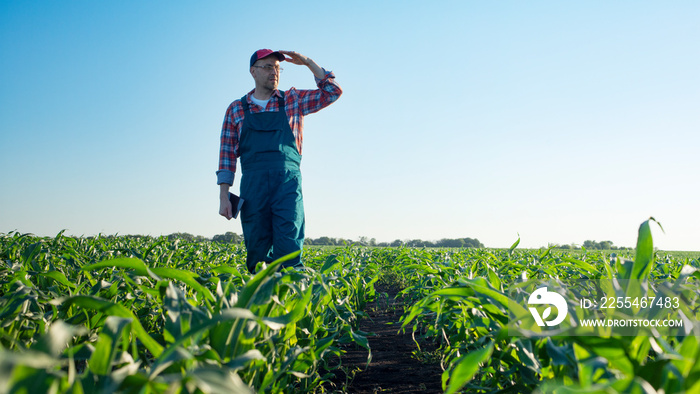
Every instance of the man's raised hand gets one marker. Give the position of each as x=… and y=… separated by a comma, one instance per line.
x=295, y=58
x=298, y=58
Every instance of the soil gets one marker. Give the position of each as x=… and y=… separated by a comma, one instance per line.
x=394, y=367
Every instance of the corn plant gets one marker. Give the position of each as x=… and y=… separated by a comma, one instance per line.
x=466, y=304
x=149, y=315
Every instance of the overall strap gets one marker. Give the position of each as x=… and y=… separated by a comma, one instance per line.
x=244, y=103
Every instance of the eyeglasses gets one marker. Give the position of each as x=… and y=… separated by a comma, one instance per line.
x=269, y=68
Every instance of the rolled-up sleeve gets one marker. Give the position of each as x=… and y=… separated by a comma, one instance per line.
x=224, y=176
x=327, y=93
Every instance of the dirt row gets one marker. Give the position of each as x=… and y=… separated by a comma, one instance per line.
x=394, y=367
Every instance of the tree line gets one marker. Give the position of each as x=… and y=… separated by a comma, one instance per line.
x=233, y=238
x=416, y=243
x=592, y=245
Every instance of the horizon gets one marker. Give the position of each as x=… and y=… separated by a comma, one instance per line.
x=353, y=240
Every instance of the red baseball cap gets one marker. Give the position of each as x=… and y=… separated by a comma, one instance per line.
x=262, y=53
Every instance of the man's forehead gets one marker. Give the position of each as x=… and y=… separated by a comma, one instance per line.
x=268, y=60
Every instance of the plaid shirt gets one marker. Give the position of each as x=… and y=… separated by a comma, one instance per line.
x=298, y=103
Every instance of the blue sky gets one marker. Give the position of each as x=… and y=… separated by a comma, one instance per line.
x=556, y=122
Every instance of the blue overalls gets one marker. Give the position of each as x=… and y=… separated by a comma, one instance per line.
x=272, y=216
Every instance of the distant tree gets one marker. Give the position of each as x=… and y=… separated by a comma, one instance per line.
x=419, y=243
x=605, y=245
x=471, y=243
x=458, y=243
x=448, y=243
x=228, y=238
x=324, y=241
x=183, y=236
x=328, y=241
x=396, y=243
x=588, y=244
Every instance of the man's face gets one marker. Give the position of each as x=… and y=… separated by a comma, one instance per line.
x=268, y=77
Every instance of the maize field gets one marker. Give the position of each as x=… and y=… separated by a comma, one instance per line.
x=149, y=315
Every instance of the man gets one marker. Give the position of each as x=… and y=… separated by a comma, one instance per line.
x=265, y=130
